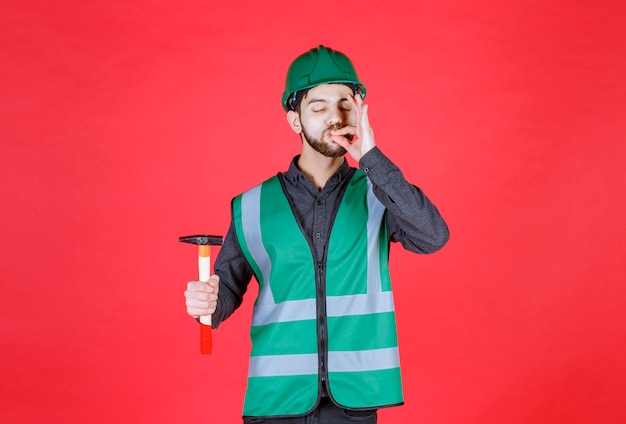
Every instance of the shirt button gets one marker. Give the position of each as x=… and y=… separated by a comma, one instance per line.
x=366, y=169
x=318, y=235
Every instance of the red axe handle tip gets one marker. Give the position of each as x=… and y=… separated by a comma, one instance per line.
x=206, y=339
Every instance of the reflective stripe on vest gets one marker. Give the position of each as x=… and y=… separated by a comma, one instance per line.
x=363, y=361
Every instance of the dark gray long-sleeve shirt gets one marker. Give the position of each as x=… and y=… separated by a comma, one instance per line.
x=412, y=220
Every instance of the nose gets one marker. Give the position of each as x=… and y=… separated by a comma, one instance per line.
x=335, y=116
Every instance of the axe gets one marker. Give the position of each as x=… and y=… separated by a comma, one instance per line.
x=204, y=243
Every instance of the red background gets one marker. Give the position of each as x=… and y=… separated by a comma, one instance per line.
x=124, y=125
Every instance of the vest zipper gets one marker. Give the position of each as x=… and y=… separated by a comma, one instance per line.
x=320, y=282
x=322, y=327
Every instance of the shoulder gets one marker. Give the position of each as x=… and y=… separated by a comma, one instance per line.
x=275, y=179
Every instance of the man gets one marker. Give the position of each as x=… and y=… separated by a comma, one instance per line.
x=316, y=238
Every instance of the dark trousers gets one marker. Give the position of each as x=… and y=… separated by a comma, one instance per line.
x=326, y=412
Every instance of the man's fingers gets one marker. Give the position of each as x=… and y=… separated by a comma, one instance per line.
x=356, y=100
x=339, y=136
x=198, y=287
x=341, y=140
x=357, y=104
x=201, y=298
x=348, y=129
x=211, y=286
x=214, y=281
x=208, y=303
x=364, y=115
x=198, y=312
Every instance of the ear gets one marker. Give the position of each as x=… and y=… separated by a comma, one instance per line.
x=294, y=121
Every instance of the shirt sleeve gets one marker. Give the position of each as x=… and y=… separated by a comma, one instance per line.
x=412, y=219
x=235, y=275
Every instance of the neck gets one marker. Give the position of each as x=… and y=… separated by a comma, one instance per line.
x=317, y=167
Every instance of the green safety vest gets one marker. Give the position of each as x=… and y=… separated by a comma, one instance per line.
x=361, y=356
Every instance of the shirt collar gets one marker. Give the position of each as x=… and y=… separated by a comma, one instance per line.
x=294, y=175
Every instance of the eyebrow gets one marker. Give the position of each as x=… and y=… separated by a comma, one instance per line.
x=320, y=100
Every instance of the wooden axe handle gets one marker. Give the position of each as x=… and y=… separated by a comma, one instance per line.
x=204, y=272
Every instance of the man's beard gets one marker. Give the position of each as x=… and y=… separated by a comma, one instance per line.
x=329, y=149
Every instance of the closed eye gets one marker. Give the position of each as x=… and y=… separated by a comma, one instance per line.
x=345, y=105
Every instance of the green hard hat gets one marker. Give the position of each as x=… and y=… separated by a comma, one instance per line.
x=319, y=66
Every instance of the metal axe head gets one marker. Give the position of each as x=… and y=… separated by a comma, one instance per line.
x=202, y=240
